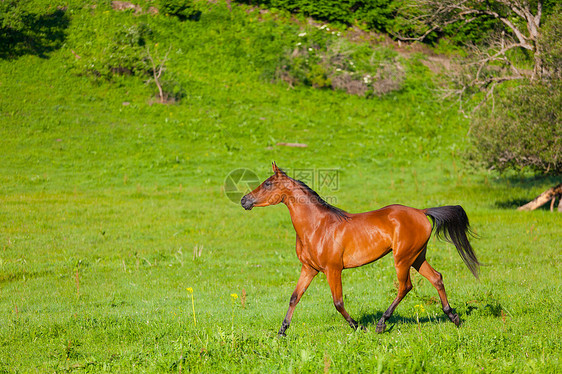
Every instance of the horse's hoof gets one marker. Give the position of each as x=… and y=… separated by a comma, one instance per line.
x=363, y=328
x=456, y=320
x=281, y=334
x=380, y=328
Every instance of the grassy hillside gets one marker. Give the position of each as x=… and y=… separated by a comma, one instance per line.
x=112, y=206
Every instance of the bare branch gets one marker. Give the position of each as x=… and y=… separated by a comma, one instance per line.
x=157, y=71
x=439, y=14
x=490, y=65
x=539, y=14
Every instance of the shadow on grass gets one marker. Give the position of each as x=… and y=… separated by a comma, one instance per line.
x=370, y=320
x=35, y=34
x=512, y=204
x=530, y=183
x=527, y=181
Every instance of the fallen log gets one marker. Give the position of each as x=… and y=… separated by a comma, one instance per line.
x=549, y=195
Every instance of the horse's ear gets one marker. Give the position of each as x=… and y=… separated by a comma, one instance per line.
x=275, y=168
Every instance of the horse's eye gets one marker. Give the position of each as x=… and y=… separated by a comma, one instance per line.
x=267, y=184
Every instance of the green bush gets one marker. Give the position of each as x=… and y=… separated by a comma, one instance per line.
x=116, y=44
x=551, y=44
x=523, y=131
x=128, y=50
x=376, y=14
x=320, y=59
x=395, y=17
x=183, y=9
x=29, y=28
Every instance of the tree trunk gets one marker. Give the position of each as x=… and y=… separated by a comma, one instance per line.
x=544, y=198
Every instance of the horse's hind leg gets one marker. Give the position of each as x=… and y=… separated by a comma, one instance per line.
x=405, y=285
x=436, y=279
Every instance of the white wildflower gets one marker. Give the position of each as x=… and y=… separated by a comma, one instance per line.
x=302, y=34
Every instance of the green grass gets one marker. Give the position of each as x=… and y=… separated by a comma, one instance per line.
x=109, y=212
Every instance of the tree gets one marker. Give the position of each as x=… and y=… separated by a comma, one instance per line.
x=157, y=69
x=517, y=32
x=523, y=132
x=522, y=129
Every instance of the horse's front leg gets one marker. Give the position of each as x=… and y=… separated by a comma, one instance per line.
x=307, y=274
x=334, y=280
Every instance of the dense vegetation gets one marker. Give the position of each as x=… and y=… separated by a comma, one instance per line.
x=119, y=251
x=523, y=130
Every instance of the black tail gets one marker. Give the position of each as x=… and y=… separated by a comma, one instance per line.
x=451, y=225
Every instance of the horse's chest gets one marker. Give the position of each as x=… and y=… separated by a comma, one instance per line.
x=304, y=255
x=316, y=256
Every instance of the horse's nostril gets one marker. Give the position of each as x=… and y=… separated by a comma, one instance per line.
x=247, y=203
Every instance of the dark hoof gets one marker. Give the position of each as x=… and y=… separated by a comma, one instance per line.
x=456, y=320
x=353, y=324
x=380, y=328
x=281, y=334
x=363, y=328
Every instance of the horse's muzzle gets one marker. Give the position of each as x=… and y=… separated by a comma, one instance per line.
x=247, y=203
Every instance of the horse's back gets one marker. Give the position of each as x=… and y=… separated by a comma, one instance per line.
x=371, y=235
x=394, y=214
x=402, y=220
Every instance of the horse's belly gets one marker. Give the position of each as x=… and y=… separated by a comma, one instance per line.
x=354, y=257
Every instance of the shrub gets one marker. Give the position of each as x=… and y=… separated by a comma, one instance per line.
x=377, y=14
x=28, y=28
x=110, y=43
x=183, y=9
x=551, y=43
x=126, y=53
x=320, y=60
x=523, y=131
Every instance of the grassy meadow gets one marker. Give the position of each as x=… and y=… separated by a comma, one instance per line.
x=119, y=251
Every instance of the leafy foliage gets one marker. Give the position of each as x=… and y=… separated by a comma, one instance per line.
x=524, y=128
x=551, y=43
x=523, y=131
x=317, y=57
x=26, y=28
x=322, y=60
x=376, y=14
x=115, y=48
x=183, y=9
x=396, y=17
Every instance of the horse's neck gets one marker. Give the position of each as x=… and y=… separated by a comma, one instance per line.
x=305, y=213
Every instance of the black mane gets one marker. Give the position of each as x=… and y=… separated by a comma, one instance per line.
x=340, y=213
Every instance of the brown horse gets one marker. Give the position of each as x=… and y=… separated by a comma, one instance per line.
x=330, y=240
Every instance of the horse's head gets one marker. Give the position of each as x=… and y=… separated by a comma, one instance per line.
x=271, y=192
